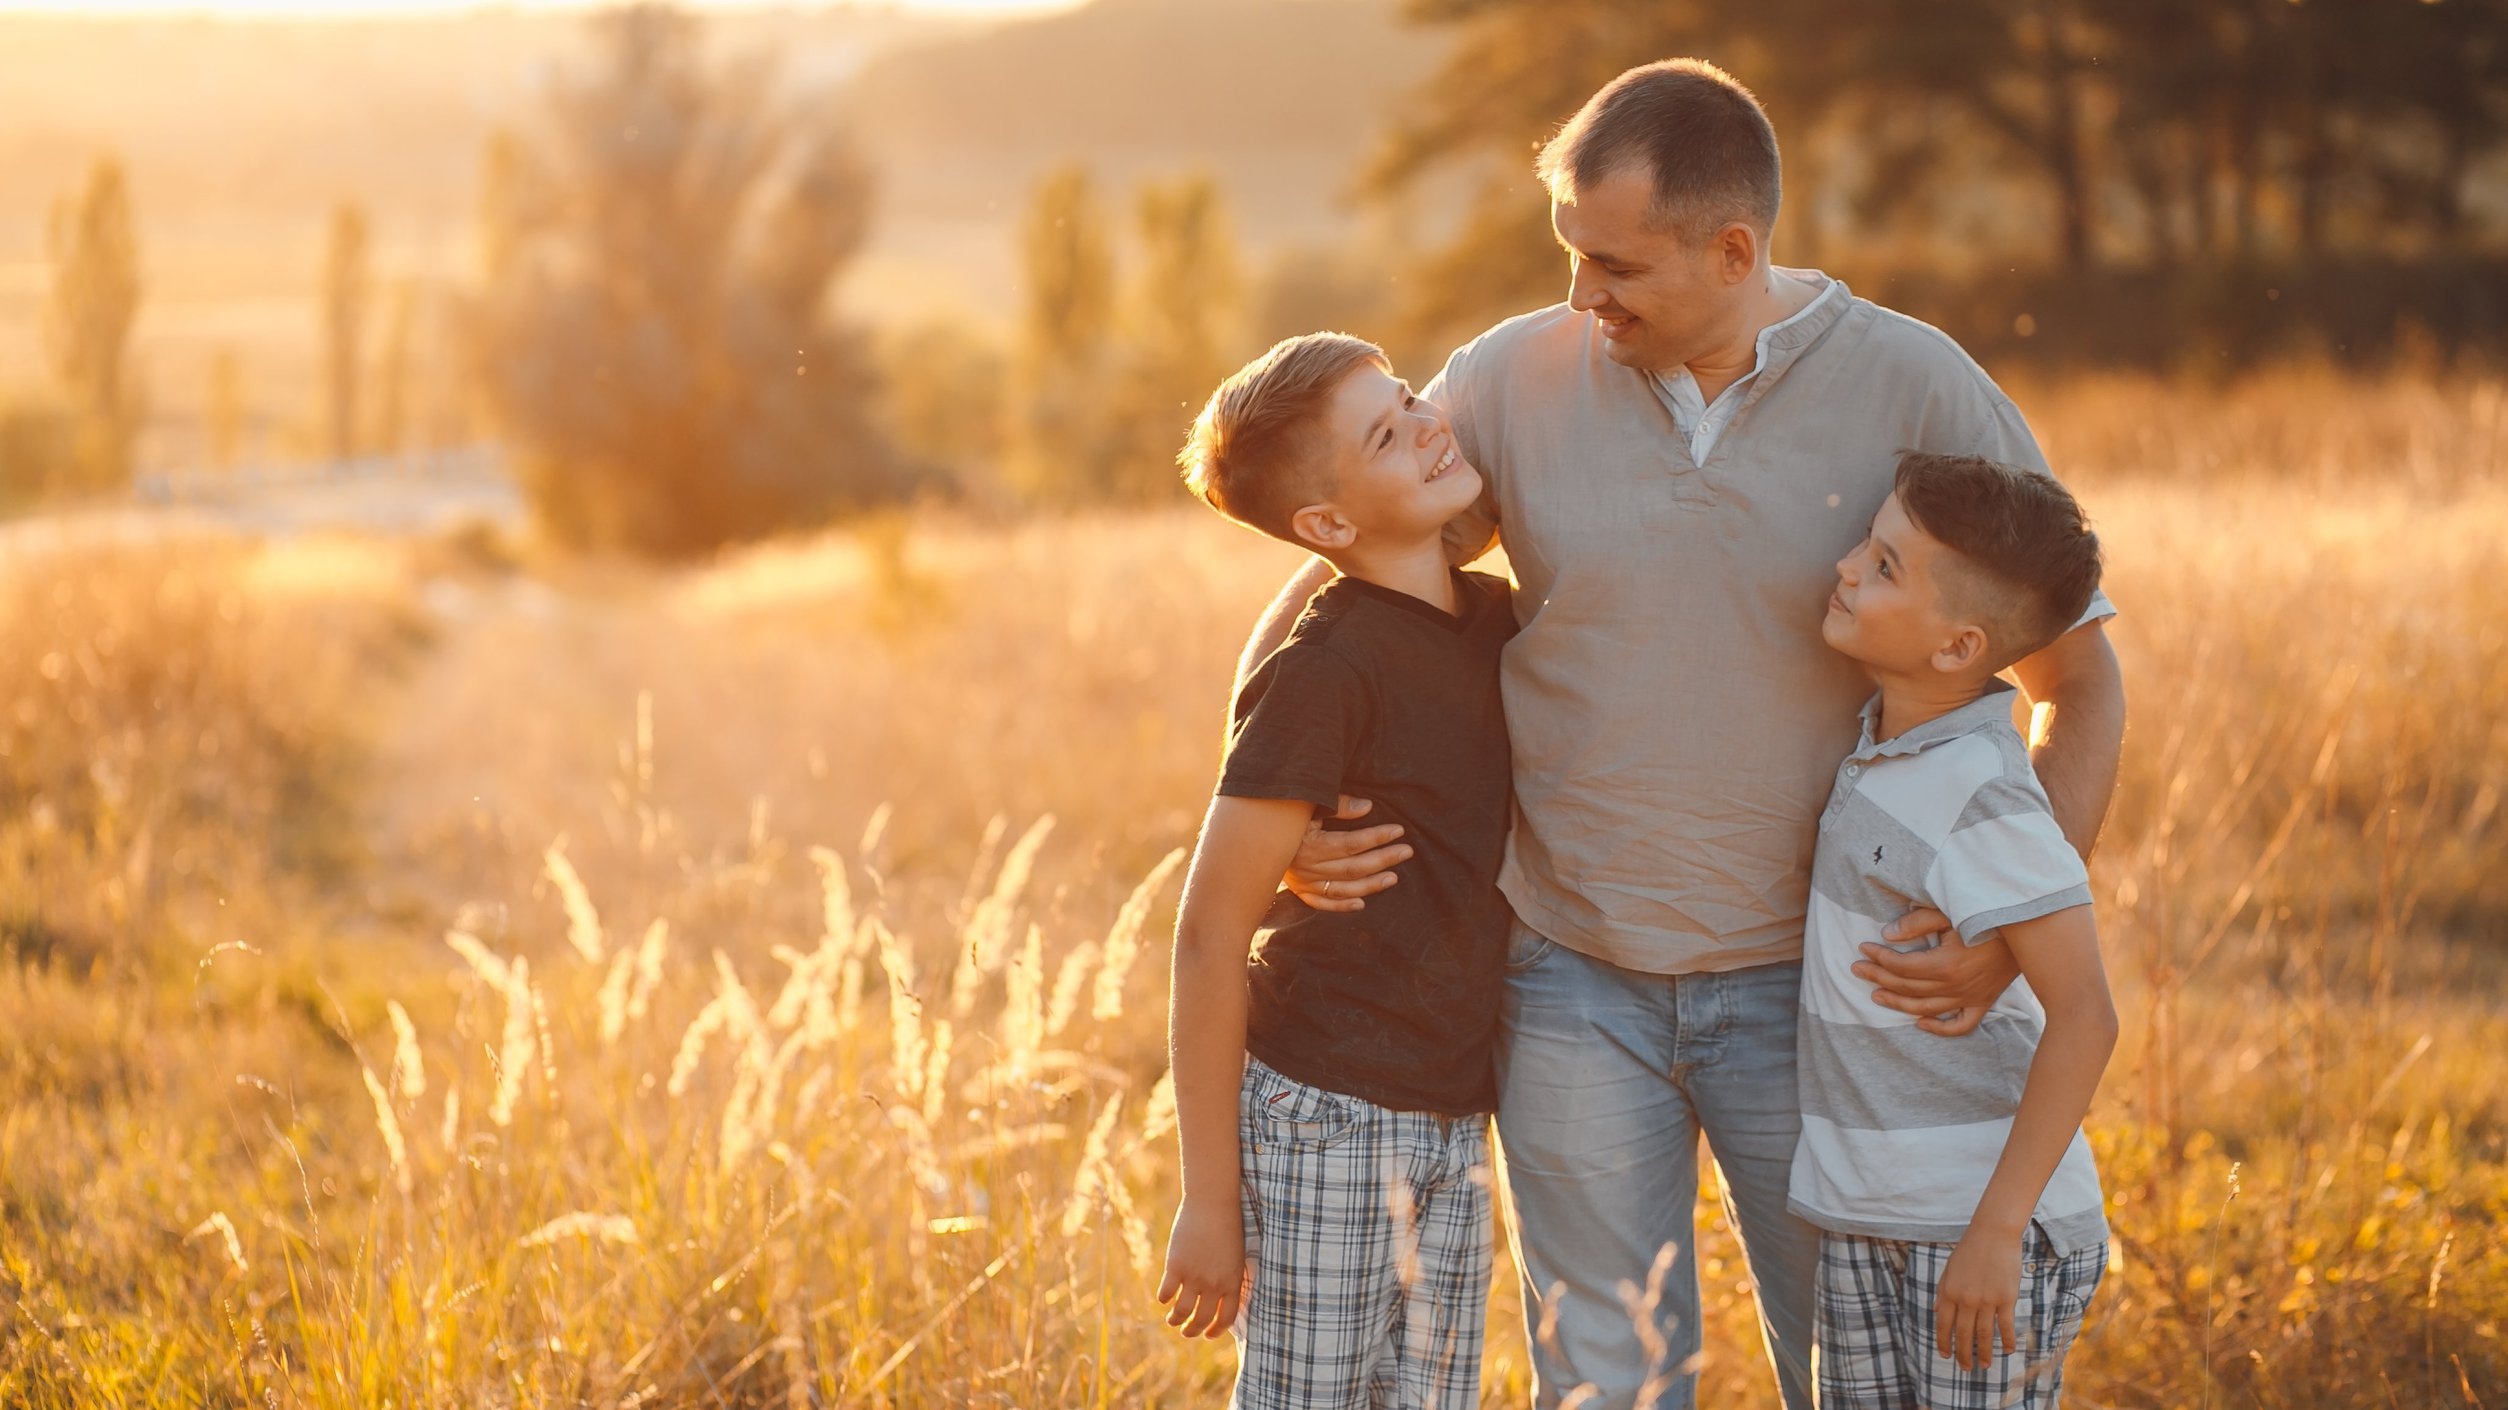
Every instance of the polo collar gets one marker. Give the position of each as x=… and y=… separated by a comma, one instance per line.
x=1987, y=710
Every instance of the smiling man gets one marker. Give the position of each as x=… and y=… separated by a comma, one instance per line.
x=1675, y=457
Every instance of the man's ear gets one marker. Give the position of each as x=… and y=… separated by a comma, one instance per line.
x=1737, y=252
x=1320, y=526
x=1965, y=648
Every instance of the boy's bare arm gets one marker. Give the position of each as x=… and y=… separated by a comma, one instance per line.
x=2059, y=955
x=1246, y=842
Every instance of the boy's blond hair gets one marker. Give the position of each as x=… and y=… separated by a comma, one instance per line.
x=1256, y=453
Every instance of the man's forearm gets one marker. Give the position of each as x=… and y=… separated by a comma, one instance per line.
x=1281, y=615
x=2076, y=758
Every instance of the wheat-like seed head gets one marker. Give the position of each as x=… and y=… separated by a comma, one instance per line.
x=224, y=1228
x=483, y=962
x=409, y=1069
x=649, y=957
x=988, y=929
x=1023, y=1012
x=1123, y=942
x=1088, y=1182
x=521, y=1043
x=614, y=987
x=1160, y=1116
x=905, y=1013
x=1068, y=981
x=582, y=1224
x=583, y=923
x=390, y=1127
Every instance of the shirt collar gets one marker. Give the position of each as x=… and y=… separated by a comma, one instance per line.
x=1987, y=710
x=1780, y=342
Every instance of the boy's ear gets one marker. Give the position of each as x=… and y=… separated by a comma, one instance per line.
x=1966, y=647
x=1321, y=527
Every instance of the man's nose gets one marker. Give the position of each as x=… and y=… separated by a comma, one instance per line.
x=1584, y=286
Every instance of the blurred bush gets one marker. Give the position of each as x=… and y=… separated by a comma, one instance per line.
x=653, y=333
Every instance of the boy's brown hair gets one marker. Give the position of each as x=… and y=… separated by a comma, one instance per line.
x=1257, y=453
x=2027, y=560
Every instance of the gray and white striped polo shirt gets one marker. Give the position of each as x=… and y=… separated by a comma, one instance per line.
x=1902, y=1129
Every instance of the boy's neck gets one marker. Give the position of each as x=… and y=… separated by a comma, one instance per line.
x=1909, y=701
x=1418, y=569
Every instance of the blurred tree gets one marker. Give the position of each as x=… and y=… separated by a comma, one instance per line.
x=393, y=389
x=347, y=288
x=39, y=451
x=1184, y=325
x=1060, y=435
x=651, y=333
x=944, y=398
x=226, y=409
x=87, y=327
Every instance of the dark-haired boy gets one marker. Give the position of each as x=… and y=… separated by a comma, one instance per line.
x=1962, y=1225
x=1332, y=1095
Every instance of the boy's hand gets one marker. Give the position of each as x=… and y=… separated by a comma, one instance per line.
x=1979, y=1299
x=1206, y=1275
x=1334, y=870
x=1948, y=988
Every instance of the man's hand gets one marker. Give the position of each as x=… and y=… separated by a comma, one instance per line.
x=1978, y=1299
x=1949, y=987
x=1335, y=870
x=1206, y=1279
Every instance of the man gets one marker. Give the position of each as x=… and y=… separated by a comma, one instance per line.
x=1675, y=458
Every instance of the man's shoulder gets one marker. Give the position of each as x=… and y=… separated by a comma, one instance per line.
x=1904, y=340
x=1553, y=332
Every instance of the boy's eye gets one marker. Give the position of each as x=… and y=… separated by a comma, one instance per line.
x=1885, y=567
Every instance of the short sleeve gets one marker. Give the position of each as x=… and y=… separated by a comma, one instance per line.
x=1473, y=532
x=1295, y=727
x=2005, y=861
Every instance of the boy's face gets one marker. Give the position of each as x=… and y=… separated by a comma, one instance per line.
x=1887, y=610
x=1396, y=474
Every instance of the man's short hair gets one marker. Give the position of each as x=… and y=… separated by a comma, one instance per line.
x=1257, y=453
x=2027, y=560
x=1701, y=133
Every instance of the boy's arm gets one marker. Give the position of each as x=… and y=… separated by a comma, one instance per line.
x=2059, y=955
x=1245, y=844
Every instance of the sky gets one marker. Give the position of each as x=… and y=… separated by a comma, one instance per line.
x=352, y=9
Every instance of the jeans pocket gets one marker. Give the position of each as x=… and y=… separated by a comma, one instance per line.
x=1526, y=947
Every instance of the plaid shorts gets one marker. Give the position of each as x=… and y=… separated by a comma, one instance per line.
x=1368, y=1232
x=1872, y=1345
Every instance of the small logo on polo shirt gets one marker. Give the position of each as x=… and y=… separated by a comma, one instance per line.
x=1876, y=855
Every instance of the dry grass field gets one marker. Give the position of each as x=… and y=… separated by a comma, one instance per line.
x=439, y=977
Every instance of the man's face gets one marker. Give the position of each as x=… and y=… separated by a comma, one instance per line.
x=1397, y=474
x=1887, y=608
x=1661, y=300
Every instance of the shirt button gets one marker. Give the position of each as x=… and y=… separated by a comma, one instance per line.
x=1854, y=769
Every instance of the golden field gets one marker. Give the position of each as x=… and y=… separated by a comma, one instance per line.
x=439, y=975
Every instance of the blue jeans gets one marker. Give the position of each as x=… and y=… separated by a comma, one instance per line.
x=1606, y=1079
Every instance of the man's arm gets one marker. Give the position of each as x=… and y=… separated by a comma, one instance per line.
x=1246, y=842
x=2076, y=761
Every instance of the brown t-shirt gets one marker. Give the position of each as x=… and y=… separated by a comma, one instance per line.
x=1379, y=694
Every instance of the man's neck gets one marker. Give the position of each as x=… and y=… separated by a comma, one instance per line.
x=1909, y=701
x=1773, y=298
x=1416, y=568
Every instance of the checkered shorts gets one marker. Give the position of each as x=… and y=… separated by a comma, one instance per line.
x=1873, y=1343
x=1369, y=1235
